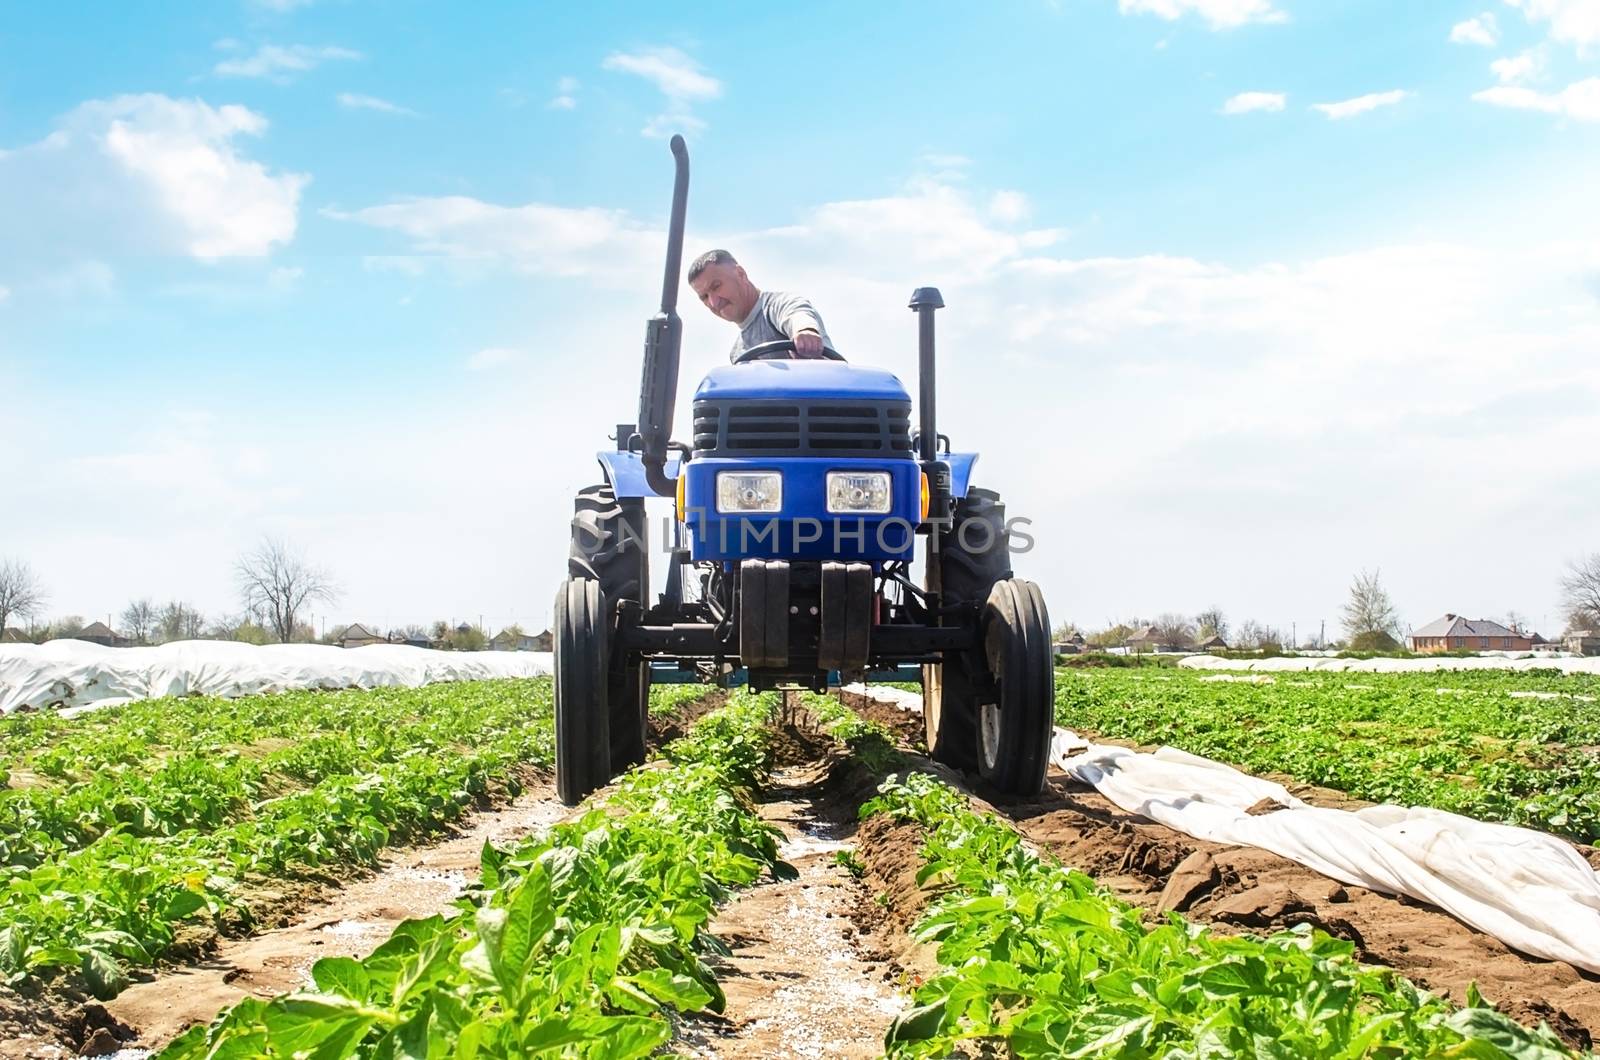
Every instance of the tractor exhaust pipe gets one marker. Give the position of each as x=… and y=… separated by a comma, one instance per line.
x=925, y=301
x=663, y=342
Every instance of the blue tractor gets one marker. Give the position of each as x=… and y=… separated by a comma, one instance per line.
x=799, y=505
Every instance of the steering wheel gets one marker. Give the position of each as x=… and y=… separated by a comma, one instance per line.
x=776, y=349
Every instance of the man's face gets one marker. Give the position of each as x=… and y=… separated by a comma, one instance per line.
x=726, y=291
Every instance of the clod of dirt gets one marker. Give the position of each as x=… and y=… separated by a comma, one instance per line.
x=1264, y=806
x=1262, y=906
x=1194, y=877
x=101, y=1043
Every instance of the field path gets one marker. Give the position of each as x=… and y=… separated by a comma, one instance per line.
x=351, y=921
x=803, y=979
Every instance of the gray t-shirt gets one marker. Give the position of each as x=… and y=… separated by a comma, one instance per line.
x=775, y=316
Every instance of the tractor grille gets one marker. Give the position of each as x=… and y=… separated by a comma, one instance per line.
x=801, y=428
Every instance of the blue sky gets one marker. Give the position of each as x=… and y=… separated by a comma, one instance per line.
x=1245, y=295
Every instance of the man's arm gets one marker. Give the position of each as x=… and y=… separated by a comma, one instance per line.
x=797, y=318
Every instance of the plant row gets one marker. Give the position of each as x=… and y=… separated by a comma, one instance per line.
x=161, y=767
x=579, y=942
x=1035, y=959
x=1512, y=747
x=122, y=898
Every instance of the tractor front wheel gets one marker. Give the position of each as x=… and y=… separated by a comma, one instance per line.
x=1015, y=722
x=583, y=738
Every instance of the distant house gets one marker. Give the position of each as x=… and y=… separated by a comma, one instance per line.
x=1582, y=642
x=545, y=641
x=507, y=640
x=1212, y=643
x=99, y=633
x=356, y=635
x=13, y=635
x=1147, y=639
x=1072, y=645
x=419, y=641
x=1454, y=633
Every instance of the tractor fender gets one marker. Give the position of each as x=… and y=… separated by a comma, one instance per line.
x=960, y=472
x=626, y=475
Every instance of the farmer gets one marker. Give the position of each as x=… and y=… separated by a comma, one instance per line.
x=762, y=316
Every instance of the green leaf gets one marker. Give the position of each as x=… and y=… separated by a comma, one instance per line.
x=1504, y=1033
x=106, y=977
x=669, y=988
x=342, y=975
x=916, y=1024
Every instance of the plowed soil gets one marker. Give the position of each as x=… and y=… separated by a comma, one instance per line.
x=1245, y=889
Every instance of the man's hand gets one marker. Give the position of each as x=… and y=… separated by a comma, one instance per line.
x=808, y=343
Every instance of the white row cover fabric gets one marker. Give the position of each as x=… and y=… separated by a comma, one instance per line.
x=1571, y=664
x=74, y=674
x=1530, y=890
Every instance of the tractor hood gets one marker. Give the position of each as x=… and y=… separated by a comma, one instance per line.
x=800, y=379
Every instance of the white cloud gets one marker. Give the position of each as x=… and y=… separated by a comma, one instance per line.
x=147, y=174
x=356, y=101
x=1009, y=207
x=1349, y=108
x=1580, y=100
x=670, y=70
x=1245, y=102
x=1575, y=22
x=566, y=97
x=1480, y=29
x=492, y=357
x=1520, y=68
x=536, y=238
x=5, y=293
x=678, y=77
x=1219, y=14
x=278, y=63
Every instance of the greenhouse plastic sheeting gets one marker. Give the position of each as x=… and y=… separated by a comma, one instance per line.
x=71, y=673
x=1571, y=664
x=1530, y=890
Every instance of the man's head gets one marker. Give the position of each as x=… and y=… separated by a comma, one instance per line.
x=722, y=285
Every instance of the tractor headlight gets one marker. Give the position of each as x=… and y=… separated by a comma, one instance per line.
x=865, y=492
x=749, y=491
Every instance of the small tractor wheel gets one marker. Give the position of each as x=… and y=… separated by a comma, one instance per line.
x=583, y=754
x=1014, y=729
x=609, y=547
x=972, y=557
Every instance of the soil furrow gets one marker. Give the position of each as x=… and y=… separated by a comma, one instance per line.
x=803, y=979
x=351, y=921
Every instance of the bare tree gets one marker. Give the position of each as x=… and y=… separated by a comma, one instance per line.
x=179, y=621
x=1212, y=622
x=1369, y=611
x=20, y=592
x=1516, y=622
x=1580, y=592
x=1174, y=629
x=276, y=582
x=139, y=620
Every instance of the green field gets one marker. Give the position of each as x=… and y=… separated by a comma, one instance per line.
x=1517, y=747
x=118, y=826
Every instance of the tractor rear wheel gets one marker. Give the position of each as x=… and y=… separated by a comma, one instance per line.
x=1014, y=726
x=583, y=746
x=609, y=546
x=973, y=556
